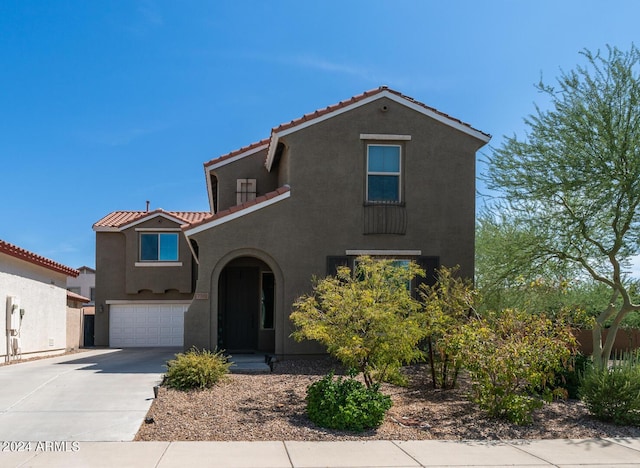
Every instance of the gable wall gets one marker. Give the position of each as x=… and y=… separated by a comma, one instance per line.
x=250, y=167
x=328, y=175
x=156, y=279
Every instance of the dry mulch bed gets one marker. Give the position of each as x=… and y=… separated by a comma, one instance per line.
x=272, y=407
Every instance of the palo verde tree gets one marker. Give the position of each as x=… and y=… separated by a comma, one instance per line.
x=573, y=183
x=367, y=319
x=506, y=278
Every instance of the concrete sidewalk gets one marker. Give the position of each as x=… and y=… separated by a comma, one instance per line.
x=525, y=453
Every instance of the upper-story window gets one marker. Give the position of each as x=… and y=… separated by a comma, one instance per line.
x=159, y=247
x=245, y=190
x=383, y=173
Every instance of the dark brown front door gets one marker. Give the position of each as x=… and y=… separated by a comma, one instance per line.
x=239, y=308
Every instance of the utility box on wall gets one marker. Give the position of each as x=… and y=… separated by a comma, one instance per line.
x=13, y=315
x=12, y=327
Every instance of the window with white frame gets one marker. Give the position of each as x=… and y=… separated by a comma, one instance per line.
x=159, y=247
x=383, y=173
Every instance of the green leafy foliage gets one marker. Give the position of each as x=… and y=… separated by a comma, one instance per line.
x=613, y=393
x=507, y=278
x=196, y=369
x=511, y=358
x=367, y=320
x=346, y=404
x=449, y=305
x=568, y=379
x=571, y=187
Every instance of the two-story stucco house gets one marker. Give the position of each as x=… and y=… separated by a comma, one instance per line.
x=379, y=174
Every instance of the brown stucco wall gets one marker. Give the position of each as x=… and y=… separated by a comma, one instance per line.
x=324, y=165
x=250, y=167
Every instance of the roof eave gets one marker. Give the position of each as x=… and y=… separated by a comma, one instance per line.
x=196, y=228
x=273, y=144
x=451, y=122
x=223, y=160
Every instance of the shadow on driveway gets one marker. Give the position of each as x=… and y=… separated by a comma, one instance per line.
x=127, y=361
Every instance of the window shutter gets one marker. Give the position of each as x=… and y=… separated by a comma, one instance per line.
x=430, y=265
x=333, y=262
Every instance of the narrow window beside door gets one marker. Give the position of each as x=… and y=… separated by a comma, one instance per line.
x=267, y=301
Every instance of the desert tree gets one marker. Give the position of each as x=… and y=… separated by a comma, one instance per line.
x=572, y=184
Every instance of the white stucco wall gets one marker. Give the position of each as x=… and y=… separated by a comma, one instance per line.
x=43, y=297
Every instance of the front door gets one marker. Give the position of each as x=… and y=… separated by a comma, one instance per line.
x=239, y=308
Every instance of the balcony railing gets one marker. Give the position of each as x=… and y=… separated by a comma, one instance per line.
x=385, y=218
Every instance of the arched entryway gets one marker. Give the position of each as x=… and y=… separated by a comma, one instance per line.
x=246, y=306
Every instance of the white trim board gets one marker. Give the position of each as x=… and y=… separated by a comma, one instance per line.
x=153, y=302
x=385, y=253
x=238, y=214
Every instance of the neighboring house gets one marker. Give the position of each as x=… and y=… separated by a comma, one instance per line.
x=79, y=321
x=84, y=284
x=380, y=174
x=145, y=278
x=36, y=309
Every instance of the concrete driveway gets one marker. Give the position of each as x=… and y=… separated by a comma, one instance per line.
x=96, y=395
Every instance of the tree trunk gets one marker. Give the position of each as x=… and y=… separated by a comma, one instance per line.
x=433, y=366
x=597, y=353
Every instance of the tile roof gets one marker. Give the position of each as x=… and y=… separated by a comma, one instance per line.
x=77, y=297
x=237, y=152
x=360, y=97
x=23, y=254
x=118, y=219
x=238, y=208
x=367, y=96
x=333, y=108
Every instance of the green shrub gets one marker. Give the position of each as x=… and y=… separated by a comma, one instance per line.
x=613, y=394
x=196, y=369
x=512, y=357
x=568, y=379
x=346, y=404
x=367, y=319
x=449, y=304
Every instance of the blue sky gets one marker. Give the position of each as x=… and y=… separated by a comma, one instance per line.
x=104, y=105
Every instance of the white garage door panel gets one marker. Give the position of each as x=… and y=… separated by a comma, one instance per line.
x=138, y=325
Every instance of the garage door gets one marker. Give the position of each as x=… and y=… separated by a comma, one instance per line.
x=137, y=325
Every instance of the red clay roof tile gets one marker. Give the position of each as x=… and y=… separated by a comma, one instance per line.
x=27, y=256
x=238, y=208
x=237, y=152
x=320, y=112
x=117, y=219
x=360, y=97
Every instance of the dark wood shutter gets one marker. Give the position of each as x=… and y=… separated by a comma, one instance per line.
x=335, y=261
x=430, y=266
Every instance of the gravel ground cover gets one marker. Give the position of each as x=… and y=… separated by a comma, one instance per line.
x=272, y=407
